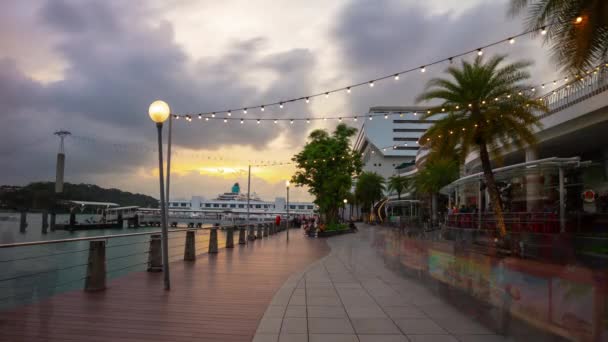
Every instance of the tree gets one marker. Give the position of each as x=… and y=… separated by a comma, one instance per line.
x=437, y=172
x=327, y=165
x=576, y=29
x=488, y=109
x=398, y=184
x=369, y=189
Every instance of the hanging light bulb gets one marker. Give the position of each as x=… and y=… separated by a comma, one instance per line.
x=340, y=119
x=200, y=116
x=511, y=41
x=554, y=82
x=422, y=68
x=257, y=121
x=396, y=77
x=479, y=52
x=327, y=95
x=212, y=115
x=307, y=100
x=457, y=107
x=370, y=118
x=242, y=121
x=542, y=86
x=428, y=112
x=291, y=122
x=262, y=108
x=543, y=31
x=275, y=121
x=324, y=119
x=578, y=20
x=443, y=109
x=229, y=113
x=225, y=120
x=307, y=121
x=385, y=116
x=206, y=119
x=348, y=90
x=281, y=105
x=533, y=89
x=355, y=118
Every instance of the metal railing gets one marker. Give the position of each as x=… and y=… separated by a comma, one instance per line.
x=35, y=270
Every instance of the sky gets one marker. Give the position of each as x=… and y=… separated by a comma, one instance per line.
x=93, y=68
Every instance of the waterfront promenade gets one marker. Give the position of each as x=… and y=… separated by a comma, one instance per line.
x=352, y=295
x=216, y=298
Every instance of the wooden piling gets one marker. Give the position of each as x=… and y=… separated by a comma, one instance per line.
x=242, y=235
x=190, y=247
x=45, y=222
x=96, y=267
x=230, y=237
x=23, y=222
x=155, y=255
x=213, y=241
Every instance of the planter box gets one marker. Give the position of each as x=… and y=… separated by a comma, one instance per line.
x=335, y=232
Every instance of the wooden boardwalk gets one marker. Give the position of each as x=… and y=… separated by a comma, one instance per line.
x=217, y=298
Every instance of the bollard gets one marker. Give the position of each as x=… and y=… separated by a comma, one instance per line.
x=273, y=229
x=242, y=235
x=259, y=234
x=266, y=230
x=251, y=235
x=45, y=222
x=190, y=247
x=155, y=255
x=96, y=268
x=230, y=237
x=213, y=241
x=53, y=217
x=23, y=222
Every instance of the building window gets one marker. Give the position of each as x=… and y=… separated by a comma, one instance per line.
x=258, y=206
x=233, y=206
x=309, y=207
x=184, y=204
x=215, y=205
x=301, y=207
x=241, y=206
x=379, y=164
x=265, y=206
x=224, y=205
x=292, y=206
x=207, y=205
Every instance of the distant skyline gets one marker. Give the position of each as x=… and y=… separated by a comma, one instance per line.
x=93, y=67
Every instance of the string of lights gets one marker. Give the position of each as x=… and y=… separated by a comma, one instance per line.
x=348, y=89
x=565, y=81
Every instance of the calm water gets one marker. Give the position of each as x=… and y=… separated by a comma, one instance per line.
x=33, y=272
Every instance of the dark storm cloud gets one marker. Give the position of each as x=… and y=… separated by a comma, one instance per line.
x=385, y=36
x=118, y=63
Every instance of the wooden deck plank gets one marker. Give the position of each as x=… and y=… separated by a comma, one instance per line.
x=217, y=298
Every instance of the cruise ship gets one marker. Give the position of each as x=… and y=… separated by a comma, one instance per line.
x=236, y=202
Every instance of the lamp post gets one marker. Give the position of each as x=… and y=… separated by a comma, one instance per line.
x=344, y=209
x=287, y=187
x=159, y=112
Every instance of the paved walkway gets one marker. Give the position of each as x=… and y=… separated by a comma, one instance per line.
x=350, y=295
x=217, y=298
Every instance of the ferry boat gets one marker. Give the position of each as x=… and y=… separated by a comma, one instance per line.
x=236, y=202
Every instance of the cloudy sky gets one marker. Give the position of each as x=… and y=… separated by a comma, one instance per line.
x=93, y=67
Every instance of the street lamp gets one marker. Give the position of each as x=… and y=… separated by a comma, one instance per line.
x=287, y=187
x=159, y=112
x=344, y=209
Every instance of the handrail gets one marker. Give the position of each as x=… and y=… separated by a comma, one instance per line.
x=106, y=237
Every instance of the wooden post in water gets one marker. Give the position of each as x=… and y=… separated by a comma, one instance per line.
x=260, y=229
x=96, y=268
x=230, y=237
x=45, y=222
x=213, y=241
x=242, y=235
x=266, y=230
x=155, y=254
x=190, y=247
x=23, y=222
x=251, y=235
x=53, y=218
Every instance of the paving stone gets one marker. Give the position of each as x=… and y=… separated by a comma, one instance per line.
x=275, y=311
x=396, y=312
x=333, y=338
x=296, y=311
x=365, y=312
x=297, y=300
x=419, y=326
x=374, y=326
x=270, y=325
x=326, y=301
x=266, y=338
x=294, y=325
x=382, y=338
x=293, y=338
x=326, y=312
x=330, y=326
x=432, y=338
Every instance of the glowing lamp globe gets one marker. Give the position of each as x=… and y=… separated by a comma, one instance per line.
x=287, y=184
x=159, y=111
x=345, y=201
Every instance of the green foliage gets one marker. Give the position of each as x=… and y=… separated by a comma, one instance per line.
x=398, y=184
x=488, y=110
x=41, y=195
x=369, y=189
x=335, y=226
x=437, y=173
x=327, y=165
x=575, y=46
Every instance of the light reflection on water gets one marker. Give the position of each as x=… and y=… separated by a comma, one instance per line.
x=568, y=300
x=62, y=266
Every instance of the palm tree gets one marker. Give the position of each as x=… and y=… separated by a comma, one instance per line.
x=398, y=184
x=369, y=189
x=488, y=109
x=577, y=29
x=438, y=172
